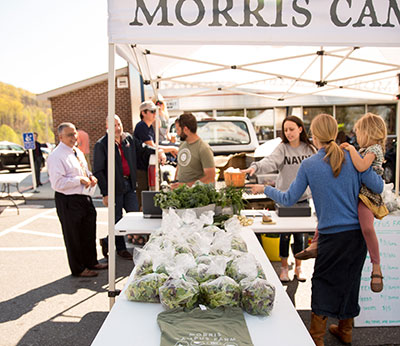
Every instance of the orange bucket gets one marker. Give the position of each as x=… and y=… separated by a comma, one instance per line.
x=234, y=179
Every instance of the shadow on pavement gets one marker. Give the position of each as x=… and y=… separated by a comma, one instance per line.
x=52, y=333
x=55, y=331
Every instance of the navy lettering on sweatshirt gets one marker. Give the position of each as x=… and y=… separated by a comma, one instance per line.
x=294, y=160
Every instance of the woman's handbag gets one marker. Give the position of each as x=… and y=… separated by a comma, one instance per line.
x=373, y=202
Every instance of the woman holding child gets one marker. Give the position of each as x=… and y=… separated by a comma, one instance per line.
x=335, y=185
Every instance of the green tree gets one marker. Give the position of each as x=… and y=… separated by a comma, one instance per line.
x=8, y=134
x=21, y=112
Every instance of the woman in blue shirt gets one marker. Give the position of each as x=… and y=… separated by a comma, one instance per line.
x=335, y=185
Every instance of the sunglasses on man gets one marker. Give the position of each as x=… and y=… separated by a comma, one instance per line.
x=151, y=111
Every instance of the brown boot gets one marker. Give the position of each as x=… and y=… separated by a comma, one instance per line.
x=343, y=331
x=317, y=328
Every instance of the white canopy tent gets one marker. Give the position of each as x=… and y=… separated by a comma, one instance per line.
x=273, y=49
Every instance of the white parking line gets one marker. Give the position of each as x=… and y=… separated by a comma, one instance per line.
x=33, y=248
x=52, y=235
x=26, y=222
x=55, y=217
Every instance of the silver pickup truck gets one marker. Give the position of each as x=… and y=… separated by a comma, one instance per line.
x=226, y=135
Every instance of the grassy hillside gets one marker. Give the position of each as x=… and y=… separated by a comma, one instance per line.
x=20, y=112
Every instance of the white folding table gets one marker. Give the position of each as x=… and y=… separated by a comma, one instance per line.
x=134, y=223
x=8, y=180
x=132, y=323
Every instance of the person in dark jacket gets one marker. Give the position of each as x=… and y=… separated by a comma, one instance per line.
x=37, y=158
x=127, y=150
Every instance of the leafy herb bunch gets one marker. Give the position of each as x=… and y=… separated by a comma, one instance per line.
x=231, y=196
x=200, y=195
x=184, y=197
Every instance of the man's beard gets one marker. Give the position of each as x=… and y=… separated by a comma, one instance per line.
x=183, y=137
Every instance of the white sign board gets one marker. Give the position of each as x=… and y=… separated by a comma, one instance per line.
x=274, y=22
x=382, y=309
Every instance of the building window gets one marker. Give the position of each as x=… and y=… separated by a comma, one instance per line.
x=388, y=113
x=230, y=113
x=263, y=123
x=309, y=113
x=346, y=117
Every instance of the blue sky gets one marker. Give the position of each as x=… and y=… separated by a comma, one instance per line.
x=46, y=44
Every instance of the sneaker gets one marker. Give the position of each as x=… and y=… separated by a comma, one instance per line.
x=299, y=275
x=284, y=276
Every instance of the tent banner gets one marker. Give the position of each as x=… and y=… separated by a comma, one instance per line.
x=255, y=22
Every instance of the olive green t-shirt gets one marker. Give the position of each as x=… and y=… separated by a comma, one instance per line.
x=192, y=159
x=223, y=326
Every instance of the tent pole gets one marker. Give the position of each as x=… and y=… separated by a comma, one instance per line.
x=111, y=174
x=157, y=129
x=321, y=67
x=339, y=63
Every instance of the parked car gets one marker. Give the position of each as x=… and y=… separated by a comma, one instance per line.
x=13, y=156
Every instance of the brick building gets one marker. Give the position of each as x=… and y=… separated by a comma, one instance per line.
x=85, y=104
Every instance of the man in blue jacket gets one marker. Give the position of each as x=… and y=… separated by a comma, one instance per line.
x=127, y=149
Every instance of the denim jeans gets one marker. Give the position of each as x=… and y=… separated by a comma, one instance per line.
x=127, y=201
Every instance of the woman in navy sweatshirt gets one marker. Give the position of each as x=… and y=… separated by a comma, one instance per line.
x=335, y=185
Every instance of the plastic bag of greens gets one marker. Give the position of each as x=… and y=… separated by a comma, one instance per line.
x=213, y=268
x=188, y=216
x=171, y=220
x=200, y=243
x=238, y=243
x=162, y=259
x=221, y=244
x=155, y=238
x=211, y=229
x=257, y=296
x=244, y=266
x=232, y=225
x=220, y=292
x=179, y=292
x=145, y=288
x=181, y=264
x=207, y=218
x=143, y=262
x=200, y=273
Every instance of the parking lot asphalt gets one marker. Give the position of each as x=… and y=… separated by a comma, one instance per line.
x=42, y=304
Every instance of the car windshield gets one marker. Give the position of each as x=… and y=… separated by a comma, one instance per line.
x=16, y=147
x=223, y=132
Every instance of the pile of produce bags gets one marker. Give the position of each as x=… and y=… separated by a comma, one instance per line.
x=187, y=262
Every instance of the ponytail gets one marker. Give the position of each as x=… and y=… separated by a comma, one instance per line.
x=335, y=157
x=324, y=128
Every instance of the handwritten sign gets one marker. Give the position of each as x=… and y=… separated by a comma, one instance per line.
x=383, y=308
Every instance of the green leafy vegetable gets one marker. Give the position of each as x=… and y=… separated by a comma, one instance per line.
x=220, y=292
x=182, y=292
x=145, y=288
x=257, y=296
x=200, y=195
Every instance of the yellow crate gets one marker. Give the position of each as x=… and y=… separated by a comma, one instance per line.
x=271, y=247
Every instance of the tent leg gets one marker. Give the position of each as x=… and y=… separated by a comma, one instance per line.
x=111, y=174
x=397, y=166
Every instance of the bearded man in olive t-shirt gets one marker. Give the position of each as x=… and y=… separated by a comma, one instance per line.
x=195, y=157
